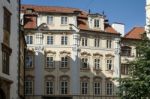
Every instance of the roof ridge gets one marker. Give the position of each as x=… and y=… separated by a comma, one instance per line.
x=49, y=6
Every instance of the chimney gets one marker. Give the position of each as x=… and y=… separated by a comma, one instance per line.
x=119, y=27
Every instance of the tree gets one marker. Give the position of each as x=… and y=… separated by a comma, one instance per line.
x=137, y=84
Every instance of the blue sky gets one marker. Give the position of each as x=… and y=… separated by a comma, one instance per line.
x=129, y=12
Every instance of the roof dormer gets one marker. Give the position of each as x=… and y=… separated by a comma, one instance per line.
x=96, y=21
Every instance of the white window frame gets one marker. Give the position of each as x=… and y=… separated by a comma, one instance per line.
x=39, y=38
x=29, y=88
x=49, y=62
x=50, y=40
x=49, y=87
x=64, y=62
x=50, y=20
x=97, y=88
x=109, y=64
x=109, y=88
x=64, y=87
x=84, y=41
x=96, y=23
x=64, y=20
x=108, y=43
x=29, y=39
x=96, y=42
x=84, y=87
x=97, y=63
x=64, y=40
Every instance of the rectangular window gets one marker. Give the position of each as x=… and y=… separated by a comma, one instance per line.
x=49, y=87
x=50, y=40
x=84, y=41
x=97, y=42
x=7, y=20
x=29, y=39
x=109, y=88
x=109, y=64
x=64, y=20
x=64, y=62
x=84, y=63
x=64, y=87
x=84, y=88
x=6, y=26
x=64, y=40
x=5, y=62
x=49, y=19
x=29, y=61
x=97, y=88
x=28, y=87
x=39, y=38
x=96, y=23
x=109, y=44
x=49, y=62
x=97, y=63
x=124, y=69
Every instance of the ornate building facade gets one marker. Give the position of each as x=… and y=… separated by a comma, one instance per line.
x=71, y=54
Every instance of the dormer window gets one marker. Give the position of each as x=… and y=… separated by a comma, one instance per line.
x=96, y=23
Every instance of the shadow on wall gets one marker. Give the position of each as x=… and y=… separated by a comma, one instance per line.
x=92, y=81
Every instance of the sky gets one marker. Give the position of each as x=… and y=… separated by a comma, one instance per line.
x=129, y=12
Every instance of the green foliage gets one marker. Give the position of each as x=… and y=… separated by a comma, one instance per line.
x=137, y=84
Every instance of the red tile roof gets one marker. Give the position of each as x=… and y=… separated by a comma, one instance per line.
x=81, y=19
x=135, y=33
x=53, y=9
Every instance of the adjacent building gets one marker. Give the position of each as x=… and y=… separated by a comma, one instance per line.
x=9, y=49
x=128, y=48
x=71, y=54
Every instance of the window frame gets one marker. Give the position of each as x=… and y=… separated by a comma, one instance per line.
x=64, y=40
x=109, y=62
x=109, y=43
x=51, y=62
x=50, y=40
x=64, y=88
x=29, y=39
x=96, y=42
x=64, y=20
x=29, y=88
x=97, y=89
x=96, y=23
x=49, y=89
x=97, y=61
x=50, y=20
x=84, y=61
x=64, y=62
x=84, y=41
x=39, y=38
x=109, y=88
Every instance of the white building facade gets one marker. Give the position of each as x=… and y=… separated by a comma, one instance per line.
x=9, y=35
x=71, y=54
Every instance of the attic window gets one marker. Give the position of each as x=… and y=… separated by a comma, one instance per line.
x=29, y=10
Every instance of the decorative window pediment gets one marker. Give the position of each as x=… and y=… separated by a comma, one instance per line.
x=97, y=54
x=50, y=77
x=85, y=53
